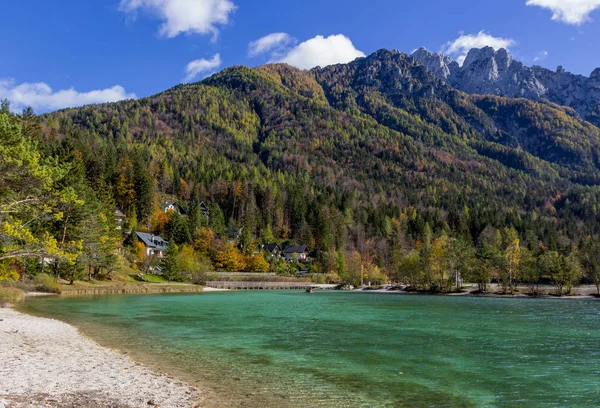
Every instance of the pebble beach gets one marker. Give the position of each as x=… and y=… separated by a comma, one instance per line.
x=48, y=363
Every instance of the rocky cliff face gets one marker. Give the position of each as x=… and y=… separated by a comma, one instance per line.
x=489, y=72
x=438, y=64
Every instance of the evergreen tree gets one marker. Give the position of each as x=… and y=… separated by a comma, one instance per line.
x=217, y=219
x=170, y=264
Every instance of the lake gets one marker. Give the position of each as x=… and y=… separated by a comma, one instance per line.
x=330, y=349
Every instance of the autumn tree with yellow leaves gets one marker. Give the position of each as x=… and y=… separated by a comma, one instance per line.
x=31, y=198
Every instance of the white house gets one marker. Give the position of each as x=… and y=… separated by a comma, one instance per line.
x=296, y=253
x=155, y=245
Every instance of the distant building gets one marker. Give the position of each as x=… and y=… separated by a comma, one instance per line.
x=272, y=250
x=296, y=253
x=174, y=206
x=155, y=245
x=200, y=209
x=204, y=209
x=170, y=206
x=120, y=218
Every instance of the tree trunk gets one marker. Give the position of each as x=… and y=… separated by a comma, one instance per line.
x=64, y=234
x=457, y=282
x=56, y=270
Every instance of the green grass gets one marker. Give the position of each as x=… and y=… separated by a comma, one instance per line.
x=154, y=279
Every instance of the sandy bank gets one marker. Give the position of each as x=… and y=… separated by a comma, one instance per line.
x=47, y=363
x=207, y=289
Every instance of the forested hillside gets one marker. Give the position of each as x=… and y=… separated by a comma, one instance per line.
x=378, y=164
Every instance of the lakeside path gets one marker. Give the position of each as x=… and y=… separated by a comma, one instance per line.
x=48, y=363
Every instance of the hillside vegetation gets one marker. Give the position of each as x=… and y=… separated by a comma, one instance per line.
x=383, y=167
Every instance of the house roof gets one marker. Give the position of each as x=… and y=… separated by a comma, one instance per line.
x=296, y=249
x=270, y=247
x=152, y=241
x=176, y=205
x=119, y=214
x=204, y=208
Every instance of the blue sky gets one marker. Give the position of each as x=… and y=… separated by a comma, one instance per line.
x=71, y=52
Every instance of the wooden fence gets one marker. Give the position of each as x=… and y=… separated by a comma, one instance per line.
x=244, y=285
x=241, y=285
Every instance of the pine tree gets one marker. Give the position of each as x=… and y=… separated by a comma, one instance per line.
x=170, y=264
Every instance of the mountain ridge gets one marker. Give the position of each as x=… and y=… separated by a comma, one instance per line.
x=377, y=139
x=495, y=72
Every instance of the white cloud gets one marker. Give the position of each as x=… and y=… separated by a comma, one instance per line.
x=574, y=12
x=542, y=55
x=322, y=51
x=460, y=47
x=43, y=99
x=184, y=16
x=202, y=66
x=276, y=42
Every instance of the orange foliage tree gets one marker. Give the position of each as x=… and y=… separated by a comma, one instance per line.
x=204, y=241
x=257, y=263
x=229, y=259
x=139, y=253
x=158, y=220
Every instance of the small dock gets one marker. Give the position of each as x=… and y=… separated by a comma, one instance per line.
x=242, y=285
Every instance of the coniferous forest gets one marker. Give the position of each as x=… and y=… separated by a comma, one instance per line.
x=383, y=171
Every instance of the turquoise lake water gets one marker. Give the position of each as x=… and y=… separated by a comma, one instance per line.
x=292, y=349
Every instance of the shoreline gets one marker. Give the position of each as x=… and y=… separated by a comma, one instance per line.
x=84, y=289
x=50, y=363
x=116, y=291
x=589, y=294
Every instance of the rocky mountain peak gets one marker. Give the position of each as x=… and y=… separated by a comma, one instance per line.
x=489, y=71
x=478, y=55
x=488, y=59
x=437, y=63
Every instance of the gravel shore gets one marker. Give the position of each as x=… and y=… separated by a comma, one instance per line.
x=47, y=363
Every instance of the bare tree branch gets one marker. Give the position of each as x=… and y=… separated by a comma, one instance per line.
x=21, y=254
x=7, y=206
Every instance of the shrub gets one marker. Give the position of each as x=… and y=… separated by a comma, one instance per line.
x=318, y=278
x=45, y=283
x=332, y=278
x=11, y=295
x=200, y=278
